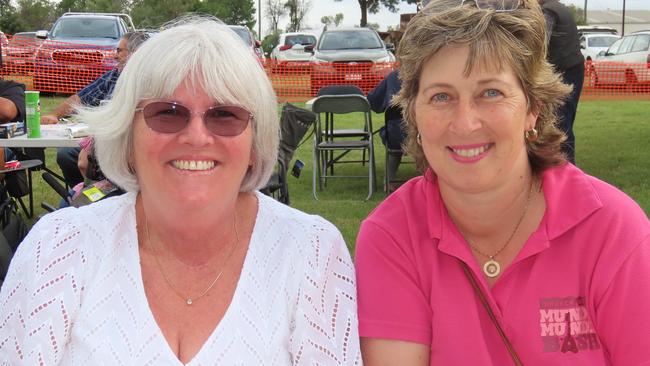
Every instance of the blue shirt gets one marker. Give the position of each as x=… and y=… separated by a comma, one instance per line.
x=100, y=89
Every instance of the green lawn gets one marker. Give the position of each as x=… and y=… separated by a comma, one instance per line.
x=612, y=144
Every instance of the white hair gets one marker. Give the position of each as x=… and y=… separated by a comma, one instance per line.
x=200, y=51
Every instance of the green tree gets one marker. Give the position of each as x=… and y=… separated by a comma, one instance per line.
x=36, y=14
x=329, y=19
x=275, y=10
x=270, y=41
x=297, y=9
x=240, y=12
x=373, y=26
x=70, y=5
x=578, y=14
x=154, y=13
x=9, y=19
x=373, y=7
x=107, y=6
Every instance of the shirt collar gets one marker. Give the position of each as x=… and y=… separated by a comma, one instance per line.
x=570, y=199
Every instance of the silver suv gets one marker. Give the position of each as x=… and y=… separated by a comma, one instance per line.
x=626, y=61
x=349, y=56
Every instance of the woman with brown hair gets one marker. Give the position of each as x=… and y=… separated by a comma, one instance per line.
x=501, y=252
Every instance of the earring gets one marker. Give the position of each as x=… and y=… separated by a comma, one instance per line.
x=418, y=138
x=531, y=135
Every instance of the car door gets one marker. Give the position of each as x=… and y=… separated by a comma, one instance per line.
x=638, y=58
x=608, y=67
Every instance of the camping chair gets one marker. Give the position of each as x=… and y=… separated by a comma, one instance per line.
x=294, y=124
x=331, y=133
x=18, y=183
x=326, y=142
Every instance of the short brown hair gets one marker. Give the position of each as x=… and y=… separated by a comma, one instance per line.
x=516, y=38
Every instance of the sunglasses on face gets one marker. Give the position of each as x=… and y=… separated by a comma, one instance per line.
x=172, y=117
x=496, y=5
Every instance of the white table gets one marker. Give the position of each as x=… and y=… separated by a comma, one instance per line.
x=51, y=136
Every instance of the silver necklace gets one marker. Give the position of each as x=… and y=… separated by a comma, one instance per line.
x=492, y=268
x=189, y=300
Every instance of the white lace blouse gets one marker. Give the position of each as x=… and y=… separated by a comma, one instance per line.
x=74, y=295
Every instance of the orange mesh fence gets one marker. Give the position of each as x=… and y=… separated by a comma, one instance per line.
x=300, y=81
x=612, y=80
x=52, y=66
x=60, y=67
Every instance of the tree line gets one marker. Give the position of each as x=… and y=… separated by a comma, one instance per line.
x=31, y=15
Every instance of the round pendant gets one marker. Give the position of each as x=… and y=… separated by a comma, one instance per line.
x=189, y=302
x=491, y=268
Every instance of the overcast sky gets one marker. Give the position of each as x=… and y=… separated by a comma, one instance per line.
x=352, y=14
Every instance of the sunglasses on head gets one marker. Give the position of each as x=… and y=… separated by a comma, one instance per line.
x=496, y=5
x=172, y=117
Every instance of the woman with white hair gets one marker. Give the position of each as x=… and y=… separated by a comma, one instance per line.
x=192, y=265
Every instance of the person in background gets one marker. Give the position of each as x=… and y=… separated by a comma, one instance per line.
x=564, y=54
x=393, y=134
x=12, y=101
x=91, y=96
x=12, y=109
x=502, y=253
x=193, y=265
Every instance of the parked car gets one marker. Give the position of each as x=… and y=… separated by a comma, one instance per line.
x=584, y=29
x=79, y=48
x=290, y=51
x=20, y=53
x=349, y=56
x=626, y=61
x=247, y=36
x=592, y=43
x=22, y=36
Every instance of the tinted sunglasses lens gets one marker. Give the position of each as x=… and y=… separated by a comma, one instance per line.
x=497, y=5
x=226, y=120
x=165, y=117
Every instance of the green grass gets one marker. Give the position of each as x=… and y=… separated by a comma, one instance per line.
x=612, y=144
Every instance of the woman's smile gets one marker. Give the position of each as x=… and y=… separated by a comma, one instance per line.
x=194, y=165
x=469, y=153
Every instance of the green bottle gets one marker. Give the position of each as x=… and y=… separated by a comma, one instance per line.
x=33, y=112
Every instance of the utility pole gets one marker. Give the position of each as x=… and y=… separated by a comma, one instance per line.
x=584, y=16
x=623, y=24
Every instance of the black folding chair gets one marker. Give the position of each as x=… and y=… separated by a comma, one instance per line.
x=327, y=141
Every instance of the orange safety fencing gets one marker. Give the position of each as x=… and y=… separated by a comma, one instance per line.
x=60, y=67
x=52, y=66
x=616, y=80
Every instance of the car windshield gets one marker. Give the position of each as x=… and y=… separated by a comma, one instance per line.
x=601, y=41
x=303, y=39
x=244, y=34
x=345, y=40
x=85, y=28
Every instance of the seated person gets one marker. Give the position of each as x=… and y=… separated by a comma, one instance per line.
x=91, y=96
x=193, y=265
x=392, y=135
x=12, y=109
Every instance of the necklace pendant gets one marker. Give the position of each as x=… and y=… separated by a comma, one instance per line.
x=189, y=302
x=491, y=268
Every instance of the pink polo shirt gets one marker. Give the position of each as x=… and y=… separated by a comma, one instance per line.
x=578, y=293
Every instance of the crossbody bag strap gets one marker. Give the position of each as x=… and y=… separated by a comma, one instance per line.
x=488, y=308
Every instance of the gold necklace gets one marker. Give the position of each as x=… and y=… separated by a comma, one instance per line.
x=189, y=300
x=492, y=268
